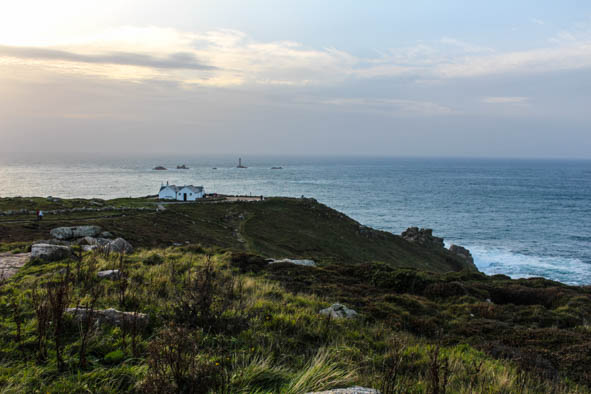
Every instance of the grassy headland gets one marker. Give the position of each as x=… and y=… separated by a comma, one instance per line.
x=220, y=319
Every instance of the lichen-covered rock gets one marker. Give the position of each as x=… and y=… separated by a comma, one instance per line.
x=423, y=236
x=75, y=232
x=307, y=263
x=93, y=241
x=339, y=311
x=49, y=252
x=119, y=245
x=110, y=316
x=350, y=390
x=462, y=252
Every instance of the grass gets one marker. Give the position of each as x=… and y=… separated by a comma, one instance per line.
x=427, y=323
x=276, y=227
x=273, y=340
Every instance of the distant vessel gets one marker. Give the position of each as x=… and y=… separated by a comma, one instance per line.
x=160, y=168
x=240, y=164
x=182, y=167
x=277, y=168
x=214, y=168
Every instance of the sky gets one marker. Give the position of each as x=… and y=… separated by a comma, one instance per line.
x=332, y=77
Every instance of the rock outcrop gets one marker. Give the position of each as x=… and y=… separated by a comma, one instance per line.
x=350, y=390
x=11, y=263
x=462, y=253
x=65, y=233
x=119, y=245
x=49, y=252
x=304, y=262
x=423, y=236
x=108, y=274
x=93, y=241
x=339, y=311
x=110, y=316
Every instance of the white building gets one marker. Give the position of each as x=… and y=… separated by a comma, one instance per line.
x=181, y=193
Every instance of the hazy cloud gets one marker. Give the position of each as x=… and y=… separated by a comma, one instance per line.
x=505, y=100
x=397, y=107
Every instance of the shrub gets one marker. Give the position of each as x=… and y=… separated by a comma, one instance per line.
x=175, y=365
x=153, y=259
x=204, y=297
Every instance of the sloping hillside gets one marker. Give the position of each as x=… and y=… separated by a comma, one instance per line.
x=276, y=227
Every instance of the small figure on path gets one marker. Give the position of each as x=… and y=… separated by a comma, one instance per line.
x=39, y=215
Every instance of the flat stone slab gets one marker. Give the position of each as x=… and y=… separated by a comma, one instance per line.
x=350, y=390
x=110, y=316
x=307, y=263
x=108, y=274
x=10, y=263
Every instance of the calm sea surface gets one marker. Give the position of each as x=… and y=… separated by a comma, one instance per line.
x=518, y=217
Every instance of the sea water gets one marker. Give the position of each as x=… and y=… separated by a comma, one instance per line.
x=521, y=218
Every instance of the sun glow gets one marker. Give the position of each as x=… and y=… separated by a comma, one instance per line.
x=46, y=23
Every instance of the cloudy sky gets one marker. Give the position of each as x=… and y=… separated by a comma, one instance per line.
x=340, y=77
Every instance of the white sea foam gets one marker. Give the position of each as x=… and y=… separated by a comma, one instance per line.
x=516, y=265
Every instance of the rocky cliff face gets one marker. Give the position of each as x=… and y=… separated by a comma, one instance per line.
x=424, y=237
x=462, y=253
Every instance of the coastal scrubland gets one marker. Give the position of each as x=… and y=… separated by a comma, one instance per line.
x=207, y=312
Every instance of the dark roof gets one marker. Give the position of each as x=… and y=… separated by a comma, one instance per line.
x=173, y=187
x=194, y=189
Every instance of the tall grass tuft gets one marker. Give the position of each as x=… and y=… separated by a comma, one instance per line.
x=322, y=373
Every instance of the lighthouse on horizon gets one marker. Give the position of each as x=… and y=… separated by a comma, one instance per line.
x=240, y=163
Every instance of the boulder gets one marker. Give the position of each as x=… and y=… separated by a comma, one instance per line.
x=110, y=316
x=119, y=245
x=423, y=236
x=106, y=234
x=108, y=274
x=338, y=311
x=75, y=232
x=49, y=252
x=93, y=241
x=462, y=253
x=307, y=263
x=350, y=390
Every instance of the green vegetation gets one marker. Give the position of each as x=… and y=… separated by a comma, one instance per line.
x=276, y=227
x=222, y=320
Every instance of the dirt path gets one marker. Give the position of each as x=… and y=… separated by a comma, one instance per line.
x=60, y=219
x=10, y=263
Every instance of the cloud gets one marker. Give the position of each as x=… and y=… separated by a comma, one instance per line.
x=179, y=60
x=396, y=107
x=505, y=100
x=537, y=21
x=232, y=58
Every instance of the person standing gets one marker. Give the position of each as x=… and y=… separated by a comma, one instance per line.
x=40, y=215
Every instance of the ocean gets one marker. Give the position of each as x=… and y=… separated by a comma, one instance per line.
x=520, y=218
